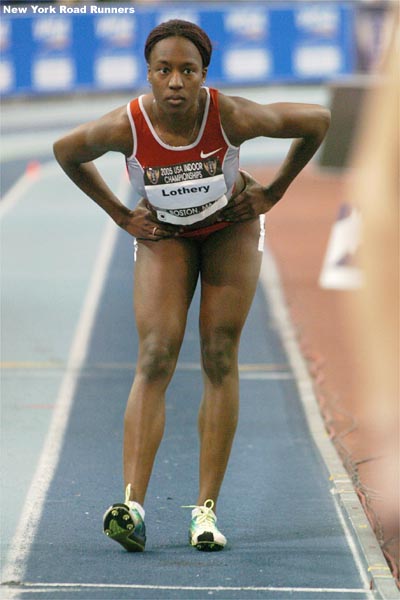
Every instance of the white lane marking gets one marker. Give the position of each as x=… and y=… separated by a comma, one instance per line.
x=182, y=366
x=267, y=376
x=247, y=372
x=20, y=546
x=35, y=587
x=34, y=173
x=271, y=283
x=29, y=178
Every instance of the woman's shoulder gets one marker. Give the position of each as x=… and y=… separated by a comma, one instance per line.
x=232, y=111
x=231, y=104
x=112, y=130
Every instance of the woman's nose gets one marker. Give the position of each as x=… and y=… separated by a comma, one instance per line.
x=175, y=80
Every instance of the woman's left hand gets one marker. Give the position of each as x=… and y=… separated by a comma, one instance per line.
x=254, y=200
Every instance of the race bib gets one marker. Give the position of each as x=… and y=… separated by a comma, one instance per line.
x=186, y=193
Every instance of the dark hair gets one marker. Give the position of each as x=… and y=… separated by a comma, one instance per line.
x=179, y=28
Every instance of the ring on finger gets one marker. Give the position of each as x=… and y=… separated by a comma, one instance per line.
x=154, y=230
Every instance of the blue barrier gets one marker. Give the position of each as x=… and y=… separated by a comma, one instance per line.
x=63, y=48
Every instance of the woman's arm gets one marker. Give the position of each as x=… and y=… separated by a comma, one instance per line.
x=76, y=152
x=244, y=120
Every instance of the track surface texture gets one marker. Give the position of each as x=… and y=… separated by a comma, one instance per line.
x=287, y=538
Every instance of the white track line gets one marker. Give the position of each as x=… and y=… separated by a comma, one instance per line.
x=22, y=185
x=47, y=464
x=35, y=587
x=270, y=281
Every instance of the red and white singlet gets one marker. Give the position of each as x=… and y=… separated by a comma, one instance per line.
x=184, y=184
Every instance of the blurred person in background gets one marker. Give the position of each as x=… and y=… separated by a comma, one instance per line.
x=373, y=312
x=198, y=217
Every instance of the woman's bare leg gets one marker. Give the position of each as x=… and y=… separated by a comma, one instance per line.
x=165, y=278
x=230, y=266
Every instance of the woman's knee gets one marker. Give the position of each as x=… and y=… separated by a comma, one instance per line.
x=157, y=359
x=219, y=354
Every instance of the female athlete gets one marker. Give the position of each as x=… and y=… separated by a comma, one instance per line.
x=197, y=217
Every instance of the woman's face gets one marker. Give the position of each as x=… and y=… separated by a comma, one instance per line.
x=176, y=73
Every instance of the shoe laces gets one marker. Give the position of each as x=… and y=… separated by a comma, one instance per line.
x=128, y=494
x=204, y=514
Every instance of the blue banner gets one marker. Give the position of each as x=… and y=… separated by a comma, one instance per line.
x=63, y=48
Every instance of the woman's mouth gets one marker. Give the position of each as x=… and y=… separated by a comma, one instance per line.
x=175, y=100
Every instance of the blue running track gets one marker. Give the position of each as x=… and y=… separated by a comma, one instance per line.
x=286, y=538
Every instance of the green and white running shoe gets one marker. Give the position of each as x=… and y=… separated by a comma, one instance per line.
x=203, y=532
x=124, y=523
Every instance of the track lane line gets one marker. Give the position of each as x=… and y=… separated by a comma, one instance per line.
x=271, y=283
x=35, y=587
x=17, y=556
x=27, y=180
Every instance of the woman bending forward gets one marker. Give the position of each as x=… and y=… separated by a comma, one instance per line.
x=197, y=216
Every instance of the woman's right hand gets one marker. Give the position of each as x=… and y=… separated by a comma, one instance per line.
x=143, y=225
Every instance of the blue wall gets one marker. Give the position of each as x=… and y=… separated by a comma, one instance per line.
x=55, y=52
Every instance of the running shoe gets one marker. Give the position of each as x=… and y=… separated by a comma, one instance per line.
x=124, y=523
x=203, y=532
